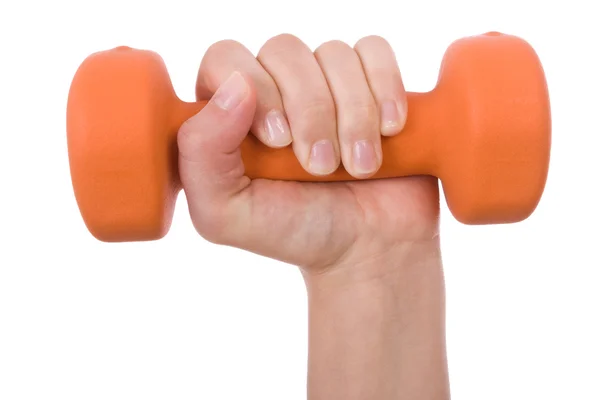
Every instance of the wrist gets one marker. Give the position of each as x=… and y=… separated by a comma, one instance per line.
x=376, y=264
x=376, y=326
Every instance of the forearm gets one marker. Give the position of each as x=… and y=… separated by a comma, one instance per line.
x=379, y=335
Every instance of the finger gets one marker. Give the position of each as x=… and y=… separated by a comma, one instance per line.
x=210, y=163
x=381, y=68
x=270, y=125
x=357, y=113
x=307, y=101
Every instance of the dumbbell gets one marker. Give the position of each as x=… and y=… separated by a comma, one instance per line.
x=484, y=131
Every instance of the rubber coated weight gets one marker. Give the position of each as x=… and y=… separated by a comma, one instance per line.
x=484, y=131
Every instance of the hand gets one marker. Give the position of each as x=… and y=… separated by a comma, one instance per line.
x=368, y=250
x=333, y=106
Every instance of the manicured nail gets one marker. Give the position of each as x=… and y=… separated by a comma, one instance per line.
x=278, y=130
x=322, y=158
x=364, y=157
x=231, y=92
x=392, y=118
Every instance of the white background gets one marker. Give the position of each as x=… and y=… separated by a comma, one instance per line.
x=184, y=319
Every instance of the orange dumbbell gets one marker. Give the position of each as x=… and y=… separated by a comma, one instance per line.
x=484, y=131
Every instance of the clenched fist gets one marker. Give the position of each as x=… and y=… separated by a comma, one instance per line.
x=332, y=105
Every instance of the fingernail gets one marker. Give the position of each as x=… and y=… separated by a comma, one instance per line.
x=364, y=157
x=322, y=158
x=278, y=130
x=391, y=118
x=231, y=92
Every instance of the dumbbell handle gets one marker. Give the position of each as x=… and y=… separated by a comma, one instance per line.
x=411, y=152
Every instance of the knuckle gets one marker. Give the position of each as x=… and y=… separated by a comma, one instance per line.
x=222, y=47
x=217, y=57
x=362, y=119
x=361, y=110
x=280, y=44
x=317, y=109
x=267, y=93
x=371, y=40
x=333, y=46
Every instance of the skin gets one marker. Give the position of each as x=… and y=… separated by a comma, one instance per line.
x=368, y=250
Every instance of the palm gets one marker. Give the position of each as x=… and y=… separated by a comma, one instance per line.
x=317, y=223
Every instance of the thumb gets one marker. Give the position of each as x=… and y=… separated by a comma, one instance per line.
x=210, y=162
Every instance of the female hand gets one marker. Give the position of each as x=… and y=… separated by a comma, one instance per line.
x=368, y=249
x=332, y=106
